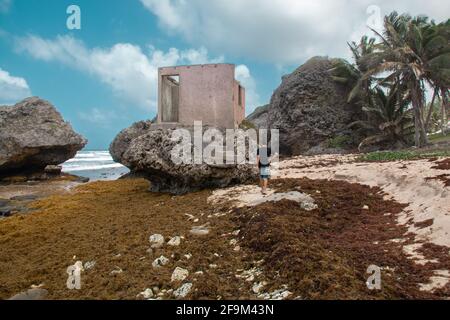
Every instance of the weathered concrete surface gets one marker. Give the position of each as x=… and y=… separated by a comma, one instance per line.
x=207, y=93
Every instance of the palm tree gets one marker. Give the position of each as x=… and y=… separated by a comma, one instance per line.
x=351, y=74
x=399, y=56
x=436, y=55
x=388, y=118
x=413, y=53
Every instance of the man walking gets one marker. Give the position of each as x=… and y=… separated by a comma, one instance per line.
x=263, y=157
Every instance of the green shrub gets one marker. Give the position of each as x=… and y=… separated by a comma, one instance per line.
x=339, y=142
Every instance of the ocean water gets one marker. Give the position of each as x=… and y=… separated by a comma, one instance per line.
x=95, y=165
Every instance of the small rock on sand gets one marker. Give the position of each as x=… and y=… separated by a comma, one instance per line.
x=156, y=240
x=179, y=274
x=53, y=169
x=28, y=197
x=146, y=294
x=251, y=196
x=5, y=212
x=257, y=287
x=199, y=231
x=89, y=265
x=174, y=242
x=183, y=291
x=31, y=294
x=160, y=262
x=117, y=270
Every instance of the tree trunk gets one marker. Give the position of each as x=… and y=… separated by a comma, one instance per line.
x=430, y=112
x=444, y=111
x=420, y=137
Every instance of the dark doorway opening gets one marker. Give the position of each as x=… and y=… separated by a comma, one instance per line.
x=170, y=98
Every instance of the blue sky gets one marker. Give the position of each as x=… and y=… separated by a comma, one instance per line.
x=102, y=78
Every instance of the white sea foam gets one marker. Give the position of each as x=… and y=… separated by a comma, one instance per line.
x=96, y=165
x=89, y=168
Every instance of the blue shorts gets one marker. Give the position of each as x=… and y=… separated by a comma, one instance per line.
x=264, y=172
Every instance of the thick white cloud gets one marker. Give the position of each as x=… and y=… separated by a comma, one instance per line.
x=126, y=68
x=252, y=99
x=12, y=89
x=280, y=31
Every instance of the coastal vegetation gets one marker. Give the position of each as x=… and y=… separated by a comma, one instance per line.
x=391, y=75
x=401, y=155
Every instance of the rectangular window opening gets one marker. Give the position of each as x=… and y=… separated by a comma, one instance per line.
x=240, y=96
x=170, y=98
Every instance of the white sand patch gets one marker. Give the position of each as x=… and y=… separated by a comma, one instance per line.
x=251, y=196
x=440, y=280
x=426, y=199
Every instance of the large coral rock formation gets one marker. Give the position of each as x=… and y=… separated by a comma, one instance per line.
x=259, y=118
x=124, y=138
x=33, y=134
x=308, y=108
x=149, y=155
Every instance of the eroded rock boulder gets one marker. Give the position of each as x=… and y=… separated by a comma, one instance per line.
x=260, y=117
x=124, y=138
x=33, y=135
x=150, y=156
x=310, y=108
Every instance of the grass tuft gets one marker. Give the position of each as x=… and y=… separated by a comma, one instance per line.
x=382, y=156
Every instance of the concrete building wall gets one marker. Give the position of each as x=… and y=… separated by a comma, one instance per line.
x=207, y=93
x=238, y=103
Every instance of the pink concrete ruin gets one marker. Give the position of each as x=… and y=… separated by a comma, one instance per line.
x=207, y=93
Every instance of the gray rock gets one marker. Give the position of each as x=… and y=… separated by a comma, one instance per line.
x=160, y=262
x=156, y=240
x=309, y=108
x=183, y=291
x=5, y=212
x=146, y=294
x=117, y=270
x=151, y=156
x=260, y=117
x=122, y=141
x=89, y=265
x=179, y=274
x=53, y=169
x=31, y=294
x=257, y=287
x=199, y=230
x=175, y=241
x=27, y=197
x=33, y=134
